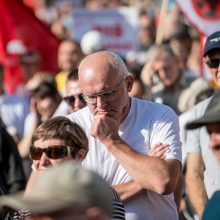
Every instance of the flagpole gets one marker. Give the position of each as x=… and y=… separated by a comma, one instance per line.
x=160, y=27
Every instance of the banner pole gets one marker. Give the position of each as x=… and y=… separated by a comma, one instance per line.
x=160, y=27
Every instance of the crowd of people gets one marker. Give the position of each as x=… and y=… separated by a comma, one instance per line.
x=113, y=137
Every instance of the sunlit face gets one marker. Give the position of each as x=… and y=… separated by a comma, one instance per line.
x=45, y=161
x=215, y=72
x=119, y=104
x=73, y=89
x=167, y=70
x=214, y=132
x=69, y=56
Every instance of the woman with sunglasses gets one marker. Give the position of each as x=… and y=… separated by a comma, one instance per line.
x=58, y=140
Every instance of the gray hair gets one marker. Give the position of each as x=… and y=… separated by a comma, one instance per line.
x=157, y=51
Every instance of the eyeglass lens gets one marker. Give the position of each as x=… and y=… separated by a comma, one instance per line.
x=106, y=96
x=213, y=63
x=71, y=99
x=53, y=152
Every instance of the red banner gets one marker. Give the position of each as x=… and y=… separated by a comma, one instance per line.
x=203, y=14
x=19, y=30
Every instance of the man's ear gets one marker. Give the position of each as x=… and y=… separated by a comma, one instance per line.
x=130, y=81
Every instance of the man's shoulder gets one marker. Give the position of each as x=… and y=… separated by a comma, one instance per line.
x=201, y=106
x=147, y=107
x=196, y=91
x=81, y=114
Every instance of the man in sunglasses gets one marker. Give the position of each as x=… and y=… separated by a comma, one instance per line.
x=202, y=173
x=122, y=130
x=73, y=99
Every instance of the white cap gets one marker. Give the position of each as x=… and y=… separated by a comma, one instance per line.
x=91, y=42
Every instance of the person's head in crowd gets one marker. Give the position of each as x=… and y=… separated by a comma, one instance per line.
x=114, y=4
x=74, y=97
x=93, y=4
x=105, y=84
x=212, y=57
x=137, y=88
x=67, y=191
x=57, y=140
x=181, y=43
x=164, y=64
x=45, y=98
x=30, y=62
x=210, y=119
x=38, y=78
x=147, y=30
x=59, y=30
x=91, y=42
x=69, y=55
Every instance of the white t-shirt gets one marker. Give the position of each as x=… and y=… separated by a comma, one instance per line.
x=146, y=124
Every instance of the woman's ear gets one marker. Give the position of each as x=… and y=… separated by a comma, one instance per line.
x=81, y=154
x=130, y=81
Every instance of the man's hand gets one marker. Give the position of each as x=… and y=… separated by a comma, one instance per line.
x=105, y=128
x=147, y=74
x=158, y=150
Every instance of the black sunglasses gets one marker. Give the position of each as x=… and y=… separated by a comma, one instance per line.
x=71, y=99
x=53, y=152
x=213, y=63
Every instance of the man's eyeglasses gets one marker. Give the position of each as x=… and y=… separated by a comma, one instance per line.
x=106, y=96
x=53, y=152
x=213, y=63
x=70, y=100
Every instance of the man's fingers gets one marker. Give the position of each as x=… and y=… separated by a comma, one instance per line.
x=158, y=150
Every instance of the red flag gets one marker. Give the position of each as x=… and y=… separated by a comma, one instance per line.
x=203, y=14
x=19, y=29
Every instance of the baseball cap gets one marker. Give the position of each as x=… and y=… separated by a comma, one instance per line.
x=211, y=115
x=60, y=187
x=212, y=42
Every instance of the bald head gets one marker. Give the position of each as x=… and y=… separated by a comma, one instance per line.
x=103, y=65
